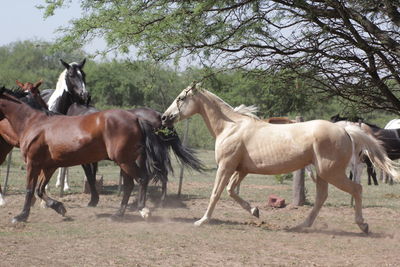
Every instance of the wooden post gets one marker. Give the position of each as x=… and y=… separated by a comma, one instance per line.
x=7, y=173
x=299, y=196
x=185, y=140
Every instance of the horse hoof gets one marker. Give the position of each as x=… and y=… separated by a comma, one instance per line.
x=60, y=209
x=93, y=203
x=19, y=218
x=2, y=202
x=200, y=222
x=255, y=212
x=364, y=227
x=145, y=213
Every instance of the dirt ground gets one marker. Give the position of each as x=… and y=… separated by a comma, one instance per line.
x=88, y=236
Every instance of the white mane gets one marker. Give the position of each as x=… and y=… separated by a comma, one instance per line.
x=247, y=110
x=60, y=88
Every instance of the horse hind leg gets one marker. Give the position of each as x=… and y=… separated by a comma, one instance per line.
x=355, y=190
x=321, y=196
x=90, y=172
x=234, y=182
x=2, y=201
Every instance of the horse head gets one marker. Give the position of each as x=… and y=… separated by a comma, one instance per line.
x=76, y=82
x=33, y=93
x=183, y=106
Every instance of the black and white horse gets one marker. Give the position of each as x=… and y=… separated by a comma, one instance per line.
x=70, y=89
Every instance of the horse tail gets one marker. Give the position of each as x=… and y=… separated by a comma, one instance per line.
x=372, y=147
x=157, y=160
x=186, y=156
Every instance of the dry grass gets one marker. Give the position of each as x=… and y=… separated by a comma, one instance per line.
x=88, y=237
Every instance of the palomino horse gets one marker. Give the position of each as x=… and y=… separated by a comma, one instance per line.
x=49, y=142
x=247, y=145
x=8, y=137
x=358, y=160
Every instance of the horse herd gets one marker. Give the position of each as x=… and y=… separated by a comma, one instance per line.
x=59, y=128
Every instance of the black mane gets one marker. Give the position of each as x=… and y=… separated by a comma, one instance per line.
x=27, y=98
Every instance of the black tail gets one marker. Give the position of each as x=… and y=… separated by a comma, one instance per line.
x=184, y=154
x=157, y=159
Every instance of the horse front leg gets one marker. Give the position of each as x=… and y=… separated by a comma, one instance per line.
x=41, y=192
x=221, y=180
x=90, y=172
x=234, y=182
x=31, y=177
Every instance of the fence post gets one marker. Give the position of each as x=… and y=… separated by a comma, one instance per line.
x=299, y=196
x=185, y=140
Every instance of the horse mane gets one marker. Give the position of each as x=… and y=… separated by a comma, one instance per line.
x=242, y=109
x=22, y=96
x=17, y=93
x=279, y=120
x=247, y=110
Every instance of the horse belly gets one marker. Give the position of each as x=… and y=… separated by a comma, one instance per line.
x=77, y=150
x=278, y=158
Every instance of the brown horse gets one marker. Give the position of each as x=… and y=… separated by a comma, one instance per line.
x=8, y=137
x=49, y=142
x=34, y=90
x=245, y=144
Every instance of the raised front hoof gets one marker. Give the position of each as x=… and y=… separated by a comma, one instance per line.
x=19, y=218
x=59, y=208
x=255, y=212
x=364, y=227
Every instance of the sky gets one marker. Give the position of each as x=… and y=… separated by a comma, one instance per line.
x=21, y=20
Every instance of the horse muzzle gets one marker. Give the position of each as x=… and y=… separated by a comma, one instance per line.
x=168, y=120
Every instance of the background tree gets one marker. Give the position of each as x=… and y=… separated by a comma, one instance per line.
x=350, y=48
x=30, y=61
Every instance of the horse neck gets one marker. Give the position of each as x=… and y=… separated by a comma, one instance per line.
x=61, y=104
x=216, y=114
x=59, y=100
x=18, y=114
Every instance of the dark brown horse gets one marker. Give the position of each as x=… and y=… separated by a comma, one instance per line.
x=49, y=142
x=167, y=139
x=8, y=138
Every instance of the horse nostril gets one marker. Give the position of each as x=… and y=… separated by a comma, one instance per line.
x=163, y=117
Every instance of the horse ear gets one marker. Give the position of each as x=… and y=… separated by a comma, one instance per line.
x=82, y=64
x=2, y=89
x=65, y=64
x=37, y=84
x=19, y=84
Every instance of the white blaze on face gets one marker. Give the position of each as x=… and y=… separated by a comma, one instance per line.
x=82, y=82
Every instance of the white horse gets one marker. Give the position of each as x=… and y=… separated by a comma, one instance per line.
x=248, y=145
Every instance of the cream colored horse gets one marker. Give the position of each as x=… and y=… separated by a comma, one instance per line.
x=246, y=144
